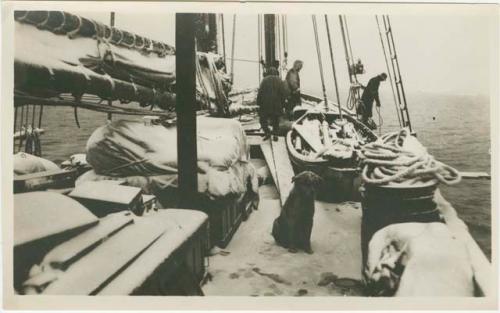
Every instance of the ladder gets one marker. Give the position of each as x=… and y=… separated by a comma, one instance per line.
x=398, y=81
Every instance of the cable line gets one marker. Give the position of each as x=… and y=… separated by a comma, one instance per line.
x=315, y=26
x=333, y=65
x=388, y=71
x=232, y=49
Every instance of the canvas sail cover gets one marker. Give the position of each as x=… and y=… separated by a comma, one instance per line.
x=79, y=56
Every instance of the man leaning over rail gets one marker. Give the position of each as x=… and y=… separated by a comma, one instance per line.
x=271, y=99
x=370, y=94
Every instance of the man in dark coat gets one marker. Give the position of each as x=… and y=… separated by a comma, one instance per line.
x=293, y=84
x=270, y=99
x=370, y=94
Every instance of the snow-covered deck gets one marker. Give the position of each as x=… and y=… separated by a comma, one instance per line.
x=253, y=265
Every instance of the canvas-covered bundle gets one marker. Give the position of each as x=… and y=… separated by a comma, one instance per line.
x=146, y=156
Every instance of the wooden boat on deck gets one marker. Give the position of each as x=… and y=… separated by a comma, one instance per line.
x=322, y=141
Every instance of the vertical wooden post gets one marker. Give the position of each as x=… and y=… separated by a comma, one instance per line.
x=269, y=39
x=186, y=108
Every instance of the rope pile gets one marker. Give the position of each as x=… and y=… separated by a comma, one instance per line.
x=387, y=161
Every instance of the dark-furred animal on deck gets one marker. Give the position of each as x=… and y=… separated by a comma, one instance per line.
x=292, y=229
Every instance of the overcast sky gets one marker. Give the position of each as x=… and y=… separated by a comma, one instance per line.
x=439, y=54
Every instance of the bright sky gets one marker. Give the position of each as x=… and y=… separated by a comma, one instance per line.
x=439, y=54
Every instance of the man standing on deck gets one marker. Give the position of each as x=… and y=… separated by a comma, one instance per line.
x=370, y=94
x=293, y=83
x=270, y=99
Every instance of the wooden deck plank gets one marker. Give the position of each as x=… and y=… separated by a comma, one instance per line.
x=257, y=266
x=280, y=165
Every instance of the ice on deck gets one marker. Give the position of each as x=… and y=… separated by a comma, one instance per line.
x=253, y=265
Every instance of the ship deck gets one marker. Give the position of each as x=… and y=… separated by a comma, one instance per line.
x=253, y=265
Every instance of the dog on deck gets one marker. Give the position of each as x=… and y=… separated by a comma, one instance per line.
x=292, y=229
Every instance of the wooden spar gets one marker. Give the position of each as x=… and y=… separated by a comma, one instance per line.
x=475, y=175
x=279, y=163
x=269, y=39
x=186, y=108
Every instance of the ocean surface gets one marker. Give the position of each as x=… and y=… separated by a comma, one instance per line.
x=455, y=129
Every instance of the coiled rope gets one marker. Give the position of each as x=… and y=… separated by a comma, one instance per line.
x=385, y=161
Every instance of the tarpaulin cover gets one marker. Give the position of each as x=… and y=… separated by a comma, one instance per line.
x=25, y=163
x=148, y=155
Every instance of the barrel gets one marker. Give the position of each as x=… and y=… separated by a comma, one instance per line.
x=386, y=205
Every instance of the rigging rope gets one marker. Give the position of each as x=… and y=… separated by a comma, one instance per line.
x=112, y=24
x=40, y=117
x=27, y=115
x=15, y=119
x=315, y=26
x=388, y=71
x=223, y=39
x=285, y=42
x=33, y=117
x=380, y=121
x=278, y=31
x=333, y=65
x=204, y=90
x=232, y=49
x=21, y=128
x=348, y=36
x=259, y=43
x=389, y=160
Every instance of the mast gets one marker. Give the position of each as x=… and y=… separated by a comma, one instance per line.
x=206, y=32
x=185, y=66
x=269, y=39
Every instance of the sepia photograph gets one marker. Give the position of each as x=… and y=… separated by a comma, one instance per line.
x=262, y=153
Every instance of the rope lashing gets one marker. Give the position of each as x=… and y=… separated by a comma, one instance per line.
x=389, y=160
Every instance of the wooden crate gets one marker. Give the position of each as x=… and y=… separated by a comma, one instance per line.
x=225, y=214
x=181, y=274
